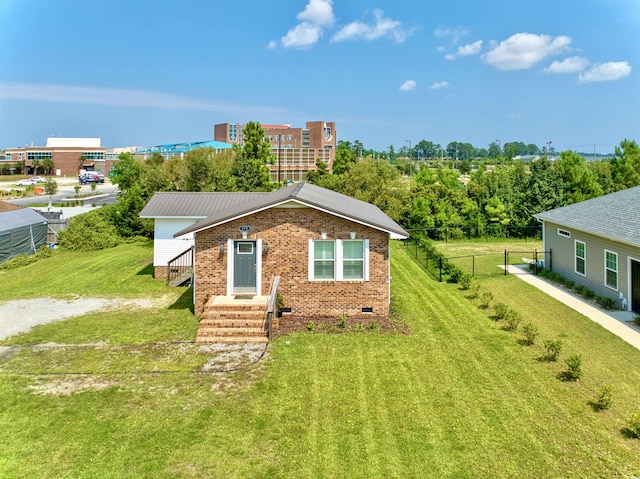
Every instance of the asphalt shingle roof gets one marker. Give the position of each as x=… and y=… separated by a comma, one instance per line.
x=615, y=216
x=223, y=207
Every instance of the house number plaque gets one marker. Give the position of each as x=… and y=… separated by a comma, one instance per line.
x=245, y=229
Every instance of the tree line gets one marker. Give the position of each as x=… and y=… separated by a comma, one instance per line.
x=425, y=196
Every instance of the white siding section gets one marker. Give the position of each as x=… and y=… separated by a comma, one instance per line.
x=165, y=246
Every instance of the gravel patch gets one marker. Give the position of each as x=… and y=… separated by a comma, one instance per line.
x=20, y=315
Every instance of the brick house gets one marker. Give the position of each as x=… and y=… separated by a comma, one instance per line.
x=331, y=251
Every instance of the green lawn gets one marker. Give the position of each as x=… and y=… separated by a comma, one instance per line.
x=458, y=397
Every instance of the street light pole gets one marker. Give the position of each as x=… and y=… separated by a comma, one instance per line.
x=410, y=159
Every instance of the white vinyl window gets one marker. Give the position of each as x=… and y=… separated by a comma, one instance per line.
x=353, y=259
x=611, y=269
x=581, y=258
x=324, y=260
x=339, y=260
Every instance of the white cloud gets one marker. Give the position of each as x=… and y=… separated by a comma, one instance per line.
x=272, y=45
x=609, y=71
x=119, y=97
x=455, y=34
x=318, y=12
x=439, y=84
x=408, y=85
x=383, y=27
x=568, y=65
x=316, y=15
x=302, y=35
x=465, y=50
x=524, y=50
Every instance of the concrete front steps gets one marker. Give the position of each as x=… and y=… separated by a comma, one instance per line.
x=234, y=319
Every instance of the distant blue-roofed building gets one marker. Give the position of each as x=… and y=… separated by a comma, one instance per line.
x=171, y=150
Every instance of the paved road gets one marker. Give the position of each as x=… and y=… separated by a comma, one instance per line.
x=104, y=194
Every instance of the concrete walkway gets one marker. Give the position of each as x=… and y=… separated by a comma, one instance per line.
x=619, y=323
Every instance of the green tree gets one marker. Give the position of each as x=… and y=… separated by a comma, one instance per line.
x=578, y=181
x=48, y=166
x=81, y=161
x=250, y=171
x=625, y=165
x=322, y=170
x=50, y=187
x=345, y=156
x=496, y=211
x=35, y=164
x=378, y=183
x=126, y=171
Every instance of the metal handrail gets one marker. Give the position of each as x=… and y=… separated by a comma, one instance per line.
x=271, y=305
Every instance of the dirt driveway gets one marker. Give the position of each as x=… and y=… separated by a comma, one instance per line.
x=21, y=315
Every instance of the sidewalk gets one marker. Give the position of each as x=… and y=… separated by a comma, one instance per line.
x=619, y=323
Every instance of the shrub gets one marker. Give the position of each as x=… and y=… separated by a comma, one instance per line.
x=342, y=322
x=455, y=274
x=553, y=348
x=603, y=399
x=633, y=424
x=475, y=288
x=24, y=259
x=485, y=299
x=606, y=303
x=311, y=326
x=530, y=331
x=513, y=319
x=89, y=232
x=636, y=320
x=574, y=365
x=501, y=310
x=373, y=326
x=465, y=281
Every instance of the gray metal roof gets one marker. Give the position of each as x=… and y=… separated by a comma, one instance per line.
x=191, y=204
x=615, y=216
x=10, y=220
x=309, y=195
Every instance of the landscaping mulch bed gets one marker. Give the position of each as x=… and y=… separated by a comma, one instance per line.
x=366, y=323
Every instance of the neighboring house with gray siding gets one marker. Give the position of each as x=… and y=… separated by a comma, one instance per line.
x=597, y=243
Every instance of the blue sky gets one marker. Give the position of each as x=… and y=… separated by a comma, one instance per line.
x=136, y=72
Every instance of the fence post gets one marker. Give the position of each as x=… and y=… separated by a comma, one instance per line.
x=473, y=265
x=535, y=268
x=505, y=262
x=426, y=258
x=440, y=262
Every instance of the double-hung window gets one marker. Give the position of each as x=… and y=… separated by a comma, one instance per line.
x=611, y=269
x=353, y=259
x=324, y=260
x=580, y=258
x=338, y=260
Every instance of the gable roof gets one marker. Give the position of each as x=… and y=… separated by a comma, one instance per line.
x=309, y=195
x=192, y=204
x=614, y=216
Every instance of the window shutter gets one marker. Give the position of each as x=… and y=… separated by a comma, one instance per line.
x=310, y=265
x=338, y=262
x=366, y=260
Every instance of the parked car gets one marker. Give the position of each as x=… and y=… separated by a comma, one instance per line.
x=92, y=178
x=26, y=182
x=39, y=179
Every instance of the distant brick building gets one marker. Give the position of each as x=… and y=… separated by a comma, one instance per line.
x=65, y=154
x=296, y=149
